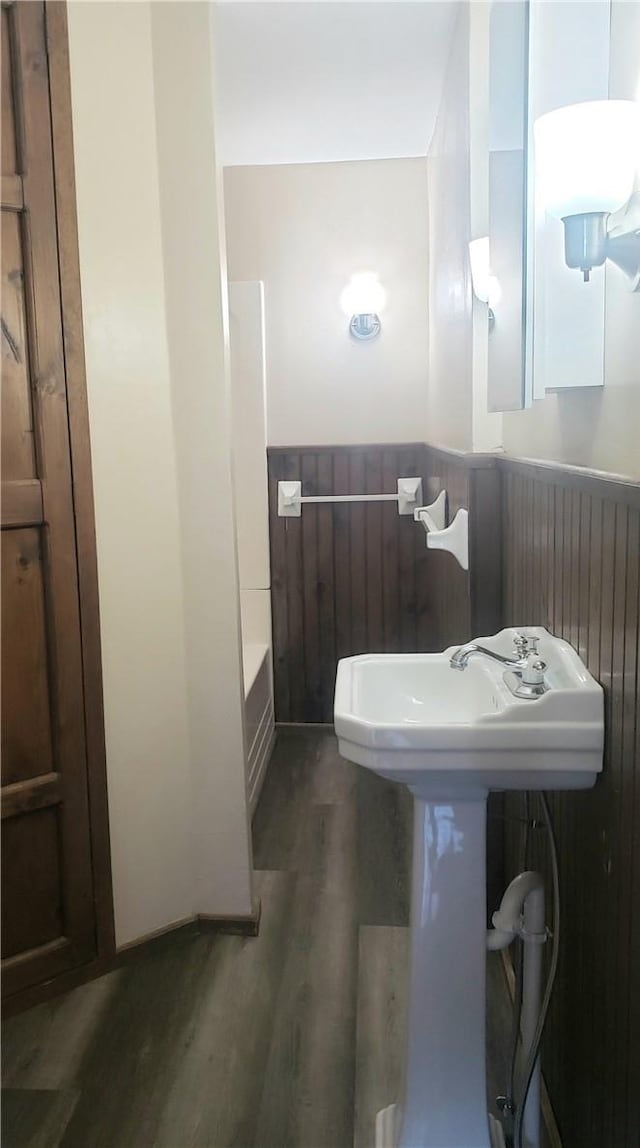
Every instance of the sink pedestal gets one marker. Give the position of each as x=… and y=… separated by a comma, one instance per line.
x=444, y=1105
x=451, y=737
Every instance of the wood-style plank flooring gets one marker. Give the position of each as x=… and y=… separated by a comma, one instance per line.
x=292, y=1039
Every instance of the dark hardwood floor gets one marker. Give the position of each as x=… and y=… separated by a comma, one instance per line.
x=292, y=1039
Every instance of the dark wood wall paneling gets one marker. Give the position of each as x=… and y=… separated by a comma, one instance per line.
x=449, y=587
x=552, y=546
x=571, y=560
x=352, y=578
x=469, y=604
x=346, y=578
x=570, y=549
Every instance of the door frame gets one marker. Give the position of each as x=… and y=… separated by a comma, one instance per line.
x=56, y=31
x=79, y=435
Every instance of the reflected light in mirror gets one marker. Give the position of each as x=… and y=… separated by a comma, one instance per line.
x=485, y=285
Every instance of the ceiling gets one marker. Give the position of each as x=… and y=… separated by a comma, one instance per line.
x=311, y=82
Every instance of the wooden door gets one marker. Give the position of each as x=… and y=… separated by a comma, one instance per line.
x=49, y=917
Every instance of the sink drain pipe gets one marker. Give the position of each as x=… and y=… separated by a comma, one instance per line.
x=522, y=914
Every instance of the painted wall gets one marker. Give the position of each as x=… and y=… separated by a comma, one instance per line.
x=190, y=183
x=145, y=400
x=449, y=394
x=486, y=421
x=249, y=438
x=134, y=464
x=304, y=230
x=507, y=79
x=598, y=427
x=456, y=398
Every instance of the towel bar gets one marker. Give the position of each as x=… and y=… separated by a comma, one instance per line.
x=291, y=499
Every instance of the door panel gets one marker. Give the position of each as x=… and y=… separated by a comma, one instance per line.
x=18, y=454
x=9, y=150
x=26, y=720
x=32, y=907
x=49, y=922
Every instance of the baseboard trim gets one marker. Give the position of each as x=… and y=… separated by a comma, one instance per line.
x=238, y=926
x=145, y=946
x=548, y=1115
x=325, y=726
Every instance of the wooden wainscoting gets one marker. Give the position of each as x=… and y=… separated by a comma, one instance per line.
x=467, y=605
x=571, y=562
x=345, y=578
x=550, y=545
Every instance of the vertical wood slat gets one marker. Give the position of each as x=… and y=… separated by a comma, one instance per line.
x=582, y=543
x=326, y=588
x=425, y=603
x=373, y=552
x=295, y=606
x=342, y=560
x=485, y=551
x=451, y=590
x=358, y=543
x=633, y=1094
x=390, y=573
x=309, y=591
x=618, y=894
x=624, y=969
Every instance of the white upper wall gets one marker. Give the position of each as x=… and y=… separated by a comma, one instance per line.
x=320, y=82
x=134, y=465
x=153, y=302
x=190, y=183
x=249, y=433
x=449, y=400
x=304, y=230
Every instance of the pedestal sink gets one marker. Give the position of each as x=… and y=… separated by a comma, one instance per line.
x=451, y=736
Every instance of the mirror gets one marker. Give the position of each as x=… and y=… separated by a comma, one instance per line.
x=568, y=64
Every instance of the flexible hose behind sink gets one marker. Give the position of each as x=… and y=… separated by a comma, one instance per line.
x=553, y=967
x=523, y=863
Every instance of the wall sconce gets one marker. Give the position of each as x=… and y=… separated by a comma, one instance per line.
x=586, y=160
x=485, y=286
x=362, y=299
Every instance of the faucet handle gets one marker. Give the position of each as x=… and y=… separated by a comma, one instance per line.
x=521, y=643
x=533, y=672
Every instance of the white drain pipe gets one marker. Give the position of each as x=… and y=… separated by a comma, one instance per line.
x=521, y=914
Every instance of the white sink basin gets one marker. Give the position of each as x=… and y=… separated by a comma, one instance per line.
x=413, y=718
x=451, y=735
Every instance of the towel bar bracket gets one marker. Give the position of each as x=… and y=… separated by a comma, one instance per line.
x=454, y=538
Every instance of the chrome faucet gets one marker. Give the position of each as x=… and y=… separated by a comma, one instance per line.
x=523, y=647
x=525, y=675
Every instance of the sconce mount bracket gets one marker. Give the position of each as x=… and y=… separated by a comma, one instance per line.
x=593, y=237
x=365, y=326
